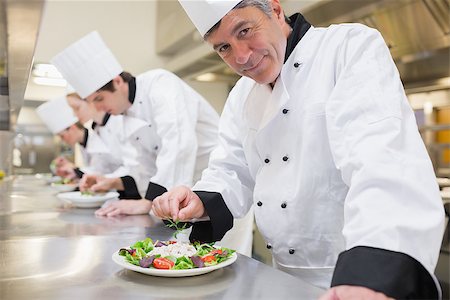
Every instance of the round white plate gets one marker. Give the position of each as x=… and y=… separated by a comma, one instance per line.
x=121, y=261
x=64, y=187
x=78, y=200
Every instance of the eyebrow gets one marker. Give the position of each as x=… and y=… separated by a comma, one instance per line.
x=236, y=28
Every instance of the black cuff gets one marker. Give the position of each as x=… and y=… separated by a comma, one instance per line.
x=130, y=190
x=394, y=274
x=154, y=190
x=78, y=172
x=221, y=219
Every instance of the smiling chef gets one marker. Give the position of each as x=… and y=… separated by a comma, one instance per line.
x=319, y=136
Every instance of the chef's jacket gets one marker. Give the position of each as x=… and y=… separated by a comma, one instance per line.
x=332, y=160
x=112, y=133
x=97, y=157
x=174, y=129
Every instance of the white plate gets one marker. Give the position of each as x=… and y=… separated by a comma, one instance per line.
x=121, y=261
x=78, y=200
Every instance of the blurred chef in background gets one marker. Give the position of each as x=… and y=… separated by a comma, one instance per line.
x=60, y=119
x=176, y=128
x=319, y=135
x=111, y=131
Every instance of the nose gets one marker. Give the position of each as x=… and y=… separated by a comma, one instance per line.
x=241, y=53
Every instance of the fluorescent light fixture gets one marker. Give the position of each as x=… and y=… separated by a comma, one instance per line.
x=46, y=70
x=50, y=81
x=47, y=74
x=206, y=77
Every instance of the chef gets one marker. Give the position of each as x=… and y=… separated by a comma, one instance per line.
x=60, y=119
x=111, y=131
x=177, y=127
x=319, y=136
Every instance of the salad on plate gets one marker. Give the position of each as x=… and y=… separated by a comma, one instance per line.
x=175, y=256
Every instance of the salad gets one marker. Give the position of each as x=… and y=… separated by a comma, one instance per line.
x=64, y=181
x=91, y=193
x=173, y=255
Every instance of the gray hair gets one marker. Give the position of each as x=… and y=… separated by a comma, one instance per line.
x=263, y=5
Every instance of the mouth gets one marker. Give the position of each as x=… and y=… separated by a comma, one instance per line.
x=253, y=66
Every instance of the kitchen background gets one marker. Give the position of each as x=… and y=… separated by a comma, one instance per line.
x=157, y=34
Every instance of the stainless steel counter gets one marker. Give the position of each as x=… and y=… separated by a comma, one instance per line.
x=48, y=251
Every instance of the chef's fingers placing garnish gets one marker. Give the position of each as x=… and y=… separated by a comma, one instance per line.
x=156, y=207
x=191, y=208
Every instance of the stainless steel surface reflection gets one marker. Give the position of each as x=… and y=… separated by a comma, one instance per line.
x=48, y=251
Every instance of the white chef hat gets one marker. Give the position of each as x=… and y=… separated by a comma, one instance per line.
x=56, y=114
x=206, y=13
x=88, y=64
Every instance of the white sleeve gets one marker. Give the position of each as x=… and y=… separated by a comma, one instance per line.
x=393, y=200
x=176, y=119
x=228, y=172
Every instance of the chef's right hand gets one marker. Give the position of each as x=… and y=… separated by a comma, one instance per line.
x=66, y=171
x=87, y=181
x=99, y=183
x=178, y=204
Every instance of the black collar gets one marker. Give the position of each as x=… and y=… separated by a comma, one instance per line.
x=104, y=121
x=132, y=89
x=85, y=139
x=299, y=28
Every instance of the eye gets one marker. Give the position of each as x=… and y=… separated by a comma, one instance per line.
x=243, y=32
x=98, y=99
x=223, y=48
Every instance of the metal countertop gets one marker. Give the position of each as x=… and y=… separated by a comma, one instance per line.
x=48, y=251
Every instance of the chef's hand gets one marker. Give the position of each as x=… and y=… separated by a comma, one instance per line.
x=64, y=168
x=98, y=183
x=61, y=160
x=87, y=181
x=125, y=207
x=66, y=171
x=347, y=292
x=178, y=204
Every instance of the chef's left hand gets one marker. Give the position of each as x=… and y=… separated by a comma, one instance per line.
x=66, y=171
x=348, y=292
x=125, y=207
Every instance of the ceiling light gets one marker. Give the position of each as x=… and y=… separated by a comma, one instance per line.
x=206, y=77
x=50, y=81
x=46, y=70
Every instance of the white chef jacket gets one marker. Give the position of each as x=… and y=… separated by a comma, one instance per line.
x=177, y=129
x=114, y=136
x=97, y=157
x=331, y=158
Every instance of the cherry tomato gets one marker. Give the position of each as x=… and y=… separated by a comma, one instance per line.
x=208, y=258
x=163, y=263
x=217, y=251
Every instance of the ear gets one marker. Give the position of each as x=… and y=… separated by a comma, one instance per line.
x=118, y=80
x=277, y=9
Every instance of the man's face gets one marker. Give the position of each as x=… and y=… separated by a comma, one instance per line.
x=114, y=103
x=251, y=43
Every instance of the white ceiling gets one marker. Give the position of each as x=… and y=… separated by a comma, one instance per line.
x=128, y=28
